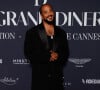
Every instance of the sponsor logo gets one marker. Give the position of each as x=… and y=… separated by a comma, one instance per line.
x=21, y=61
x=9, y=80
x=79, y=62
x=91, y=81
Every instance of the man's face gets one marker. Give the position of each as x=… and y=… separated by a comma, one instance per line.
x=47, y=14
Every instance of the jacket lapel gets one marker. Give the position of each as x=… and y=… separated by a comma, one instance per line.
x=43, y=36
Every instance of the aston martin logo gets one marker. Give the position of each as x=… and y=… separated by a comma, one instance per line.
x=79, y=62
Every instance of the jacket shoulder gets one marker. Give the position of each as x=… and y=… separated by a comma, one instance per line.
x=33, y=30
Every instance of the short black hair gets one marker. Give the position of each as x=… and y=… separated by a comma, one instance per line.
x=40, y=9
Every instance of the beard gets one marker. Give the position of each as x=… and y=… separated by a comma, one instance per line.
x=50, y=22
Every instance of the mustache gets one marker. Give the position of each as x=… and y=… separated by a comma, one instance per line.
x=50, y=16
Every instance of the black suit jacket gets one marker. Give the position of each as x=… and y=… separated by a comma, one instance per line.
x=37, y=50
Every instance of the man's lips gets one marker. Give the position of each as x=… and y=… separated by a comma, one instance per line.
x=51, y=16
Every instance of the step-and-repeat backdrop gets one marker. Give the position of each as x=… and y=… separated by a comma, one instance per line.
x=81, y=21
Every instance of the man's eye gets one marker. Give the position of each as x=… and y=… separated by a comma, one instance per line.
x=45, y=12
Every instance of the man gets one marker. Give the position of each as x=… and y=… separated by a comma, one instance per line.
x=46, y=48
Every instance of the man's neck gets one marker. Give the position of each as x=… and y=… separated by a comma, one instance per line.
x=49, y=28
